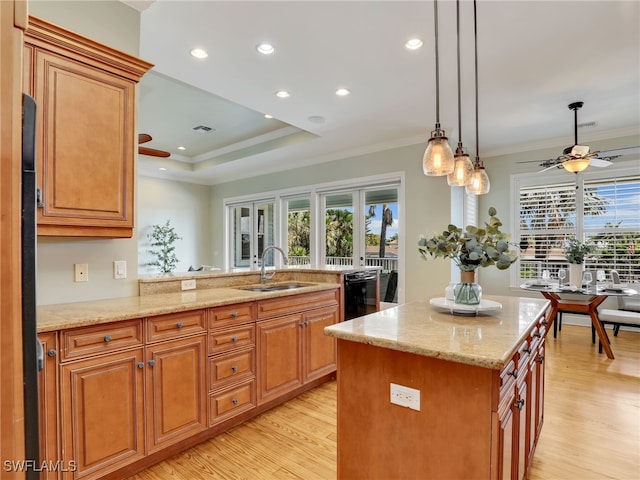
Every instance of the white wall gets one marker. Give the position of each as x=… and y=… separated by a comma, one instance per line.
x=187, y=207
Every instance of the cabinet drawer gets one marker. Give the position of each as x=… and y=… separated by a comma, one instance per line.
x=233, y=401
x=231, y=367
x=276, y=307
x=223, y=340
x=98, y=339
x=507, y=378
x=228, y=315
x=175, y=325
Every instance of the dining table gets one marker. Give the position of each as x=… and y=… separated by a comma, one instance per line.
x=585, y=300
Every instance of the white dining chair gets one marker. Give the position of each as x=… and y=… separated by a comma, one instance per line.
x=626, y=303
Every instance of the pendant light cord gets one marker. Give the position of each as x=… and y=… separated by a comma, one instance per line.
x=475, y=36
x=435, y=14
x=459, y=96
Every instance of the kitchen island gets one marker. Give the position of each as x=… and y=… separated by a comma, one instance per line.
x=475, y=386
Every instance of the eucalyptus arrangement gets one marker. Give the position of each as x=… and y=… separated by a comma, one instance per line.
x=162, y=238
x=576, y=251
x=472, y=247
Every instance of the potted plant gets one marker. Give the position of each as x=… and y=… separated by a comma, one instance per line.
x=162, y=238
x=576, y=253
x=470, y=248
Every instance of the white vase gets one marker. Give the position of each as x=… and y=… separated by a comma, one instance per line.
x=575, y=274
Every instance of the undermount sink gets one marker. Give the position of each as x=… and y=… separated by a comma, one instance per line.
x=275, y=287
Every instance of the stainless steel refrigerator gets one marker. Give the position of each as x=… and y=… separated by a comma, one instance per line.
x=31, y=347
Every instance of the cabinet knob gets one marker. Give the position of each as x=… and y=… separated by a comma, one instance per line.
x=519, y=404
x=152, y=363
x=179, y=324
x=140, y=364
x=52, y=353
x=107, y=338
x=234, y=339
x=537, y=335
x=234, y=401
x=234, y=368
x=540, y=358
x=528, y=350
x=234, y=314
x=513, y=373
x=545, y=322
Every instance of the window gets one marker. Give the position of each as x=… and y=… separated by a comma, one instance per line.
x=598, y=207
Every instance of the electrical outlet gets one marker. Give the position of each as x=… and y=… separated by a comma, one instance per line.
x=81, y=272
x=405, y=396
x=188, y=284
x=119, y=269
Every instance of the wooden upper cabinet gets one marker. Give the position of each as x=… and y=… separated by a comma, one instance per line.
x=86, y=146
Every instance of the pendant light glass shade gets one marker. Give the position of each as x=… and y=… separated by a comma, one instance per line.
x=576, y=165
x=462, y=170
x=438, y=157
x=479, y=183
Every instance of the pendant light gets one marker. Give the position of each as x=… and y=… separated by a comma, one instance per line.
x=438, y=157
x=479, y=183
x=463, y=168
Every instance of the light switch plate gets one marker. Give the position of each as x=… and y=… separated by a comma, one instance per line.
x=119, y=269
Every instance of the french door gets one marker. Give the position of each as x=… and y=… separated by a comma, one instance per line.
x=252, y=230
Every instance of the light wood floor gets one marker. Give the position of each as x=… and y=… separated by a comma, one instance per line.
x=591, y=427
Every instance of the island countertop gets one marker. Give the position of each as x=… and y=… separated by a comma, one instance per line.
x=487, y=340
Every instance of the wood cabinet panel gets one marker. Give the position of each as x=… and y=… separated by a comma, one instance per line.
x=102, y=408
x=85, y=132
x=279, y=352
x=231, y=338
x=176, y=388
x=48, y=403
x=100, y=339
x=319, y=349
x=176, y=325
x=292, y=304
x=229, y=315
x=231, y=402
x=231, y=367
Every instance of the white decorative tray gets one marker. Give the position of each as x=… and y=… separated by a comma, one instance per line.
x=468, y=310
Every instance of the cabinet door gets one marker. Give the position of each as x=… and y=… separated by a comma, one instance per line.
x=279, y=356
x=319, y=349
x=532, y=401
x=48, y=401
x=102, y=405
x=85, y=148
x=540, y=391
x=521, y=407
x=176, y=395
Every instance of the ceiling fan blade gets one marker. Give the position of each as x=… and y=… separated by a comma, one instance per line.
x=144, y=138
x=153, y=152
x=550, y=168
x=600, y=162
x=619, y=151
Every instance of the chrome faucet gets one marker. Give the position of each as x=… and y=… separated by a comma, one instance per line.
x=263, y=274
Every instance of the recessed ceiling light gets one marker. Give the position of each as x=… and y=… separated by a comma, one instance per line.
x=341, y=92
x=316, y=119
x=162, y=169
x=266, y=115
x=282, y=94
x=413, y=44
x=182, y=148
x=265, y=48
x=199, y=53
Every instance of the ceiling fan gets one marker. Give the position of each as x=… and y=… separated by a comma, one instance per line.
x=577, y=158
x=144, y=138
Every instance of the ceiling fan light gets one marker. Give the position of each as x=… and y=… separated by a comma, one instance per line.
x=462, y=171
x=479, y=183
x=438, y=157
x=576, y=165
x=579, y=151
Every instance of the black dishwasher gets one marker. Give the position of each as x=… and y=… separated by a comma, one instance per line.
x=360, y=294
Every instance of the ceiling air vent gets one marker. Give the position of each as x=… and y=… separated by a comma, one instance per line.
x=203, y=129
x=587, y=124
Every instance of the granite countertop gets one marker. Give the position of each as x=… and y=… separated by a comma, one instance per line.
x=488, y=340
x=70, y=315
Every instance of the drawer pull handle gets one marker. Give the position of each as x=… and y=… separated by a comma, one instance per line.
x=528, y=350
x=234, y=401
x=537, y=335
x=107, y=338
x=152, y=363
x=52, y=353
x=514, y=373
x=519, y=404
x=234, y=314
x=234, y=368
x=540, y=358
x=545, y=322
x=234, y=339
x=140, y=364
x=179, y=324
